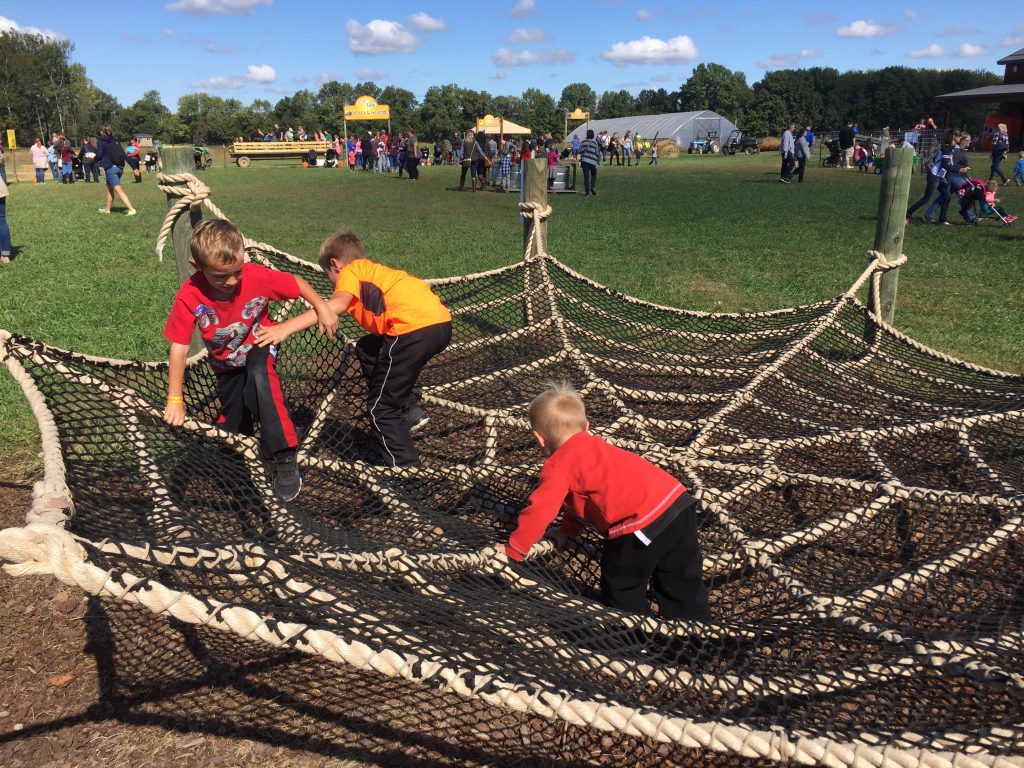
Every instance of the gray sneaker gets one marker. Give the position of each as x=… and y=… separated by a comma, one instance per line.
x=287, y=480
x=417, y=418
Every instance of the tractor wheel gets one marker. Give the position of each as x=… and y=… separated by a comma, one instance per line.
x=750, y=150
x=714, y=148
x=243, y=162
x=689, y=150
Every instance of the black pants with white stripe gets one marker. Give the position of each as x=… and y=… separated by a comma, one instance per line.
x=392, y=365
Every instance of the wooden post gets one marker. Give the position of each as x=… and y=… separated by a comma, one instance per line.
x=534, y=189
x=178, y=160
x=891, y=223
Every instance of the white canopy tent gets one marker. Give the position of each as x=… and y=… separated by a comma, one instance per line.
x=680, y=127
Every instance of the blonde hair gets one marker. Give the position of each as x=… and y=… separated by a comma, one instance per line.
x=992, y=185
x=215, y=241
x=1002, y=127
x=558, y=412
x=346, y=247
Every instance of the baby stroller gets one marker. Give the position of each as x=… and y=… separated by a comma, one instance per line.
x=202, y=157
x=330, y=159
x=150, y=159
x=973, y=206
x=77, y=169
x=835, y=154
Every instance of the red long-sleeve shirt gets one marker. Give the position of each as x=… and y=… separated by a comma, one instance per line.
x=612, y=489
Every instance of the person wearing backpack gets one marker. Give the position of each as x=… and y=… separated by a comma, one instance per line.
x=110, y=158
x=1000, y=149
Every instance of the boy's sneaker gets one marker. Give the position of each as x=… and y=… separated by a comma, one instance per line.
x=1010, y=218
x=417, y=418
x=131, y=212
x=103, y=210
x=287, y=480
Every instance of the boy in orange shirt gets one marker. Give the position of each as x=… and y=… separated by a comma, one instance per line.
x=647, y=515
x=407, y=325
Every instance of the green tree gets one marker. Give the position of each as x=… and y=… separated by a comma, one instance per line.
x=654, y=102
x=715, y=88
x=331, y=100
x=404, y=113
x=440, y=114
x=147, y=115
x=615, y=104
x=577, y=95
x=539, y=113
x=475, y=104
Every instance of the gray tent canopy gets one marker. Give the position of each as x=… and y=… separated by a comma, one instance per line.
x=681, y=127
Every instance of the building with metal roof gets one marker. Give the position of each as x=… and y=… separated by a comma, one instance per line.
x=681, y=127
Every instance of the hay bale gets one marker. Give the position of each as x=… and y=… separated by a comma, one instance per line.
x=667, y=148
x=771, y=143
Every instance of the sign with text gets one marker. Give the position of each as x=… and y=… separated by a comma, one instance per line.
x=367, y=108
x=10, y=139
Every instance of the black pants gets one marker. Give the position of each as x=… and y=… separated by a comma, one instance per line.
x=801, y=166
x=412, y=166
x=253, y=394
x=392, y=365
x=671, y=564
x=787, y=166
x=589, y=178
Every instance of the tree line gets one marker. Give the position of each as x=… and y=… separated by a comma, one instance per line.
x=42, y=91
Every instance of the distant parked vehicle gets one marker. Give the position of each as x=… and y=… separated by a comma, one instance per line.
x=706, y=145
x=741, y=141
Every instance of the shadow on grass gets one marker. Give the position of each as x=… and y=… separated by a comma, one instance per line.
x=187, y=679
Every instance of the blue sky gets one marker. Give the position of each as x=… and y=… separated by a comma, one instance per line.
x=249, y=49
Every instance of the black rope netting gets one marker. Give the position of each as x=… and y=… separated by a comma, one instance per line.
x=861, y=521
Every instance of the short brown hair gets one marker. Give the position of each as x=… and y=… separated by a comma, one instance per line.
x=343, y=246
x=558, y=412
x=216, y=241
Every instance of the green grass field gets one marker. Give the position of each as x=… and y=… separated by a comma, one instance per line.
x=709, y=233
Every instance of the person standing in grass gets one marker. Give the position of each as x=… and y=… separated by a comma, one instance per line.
x=5, y=230
x=590, y=158
x=39, y=162
x=801, y=153
x=786, y=149
x=110, y=158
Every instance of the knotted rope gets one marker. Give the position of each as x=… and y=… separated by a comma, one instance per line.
x=539, y=212
x=881, y=264
x=191, y=194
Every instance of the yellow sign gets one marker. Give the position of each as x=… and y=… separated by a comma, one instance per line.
x=579, y=114
x=367, y=108
x=10, y=139
x=488, y=123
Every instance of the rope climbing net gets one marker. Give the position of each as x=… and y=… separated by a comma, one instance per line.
x=861, y=495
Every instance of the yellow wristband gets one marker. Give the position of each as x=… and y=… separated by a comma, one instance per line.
x=175, y=399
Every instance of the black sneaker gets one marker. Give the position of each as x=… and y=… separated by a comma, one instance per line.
x=417, y=418
x=287, y=480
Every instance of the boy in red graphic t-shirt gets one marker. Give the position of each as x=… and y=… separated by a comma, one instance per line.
x=647, y=515
x=227, y=298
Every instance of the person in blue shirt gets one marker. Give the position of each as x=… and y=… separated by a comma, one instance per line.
x=809, y=136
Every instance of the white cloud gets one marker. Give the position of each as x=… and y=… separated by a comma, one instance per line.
x=216, y=7
x=661, y=77
x=1011, y=41
x=10, y=25
x=777, y=61
x=959, y=29
x=219, y=83
x=300, y=79
x=326, y=77
x=503, y=57
x=261, y=73
x=522, y=8
x=426, y=23
x=643, y=15
x=500, y=75
x=168, y=32
x=810, y=53
x=212, y=46
x=861, y=28
x=371, y=74
x=379, y=36
x=651, y=50
x=527, y=35
x=911, y=14
x=932, y=51
x=969, y=50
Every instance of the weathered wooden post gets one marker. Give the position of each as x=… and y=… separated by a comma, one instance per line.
x=534, y=186
x=178, y=160
x=897, y=174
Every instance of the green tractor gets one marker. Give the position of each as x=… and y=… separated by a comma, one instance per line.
x=741, y=141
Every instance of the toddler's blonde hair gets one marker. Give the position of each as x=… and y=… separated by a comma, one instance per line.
x=558, y=412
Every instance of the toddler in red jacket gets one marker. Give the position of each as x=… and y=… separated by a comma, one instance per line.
x=648, y=517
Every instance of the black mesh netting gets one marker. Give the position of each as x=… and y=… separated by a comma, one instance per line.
x=861, y=524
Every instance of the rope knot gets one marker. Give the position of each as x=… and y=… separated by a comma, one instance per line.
x=537, y=211
x=191, y=193
x=884, y=264
x=38, y=548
